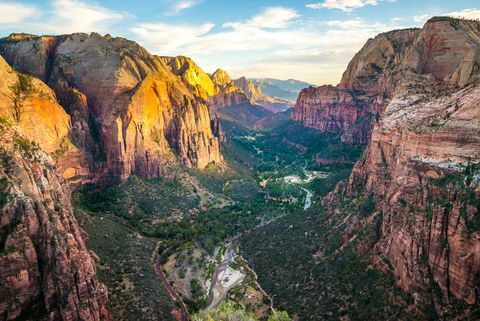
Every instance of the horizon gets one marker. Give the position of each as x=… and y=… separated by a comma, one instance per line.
x=311, y=41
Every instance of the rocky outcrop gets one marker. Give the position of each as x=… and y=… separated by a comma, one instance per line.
x=255, y=94
x=332, y=110
x=445, y=48
x=421, y=167
x=33, y=106
x=194, y=76
x=218, y=89
x=46, y=271
x=128, y=108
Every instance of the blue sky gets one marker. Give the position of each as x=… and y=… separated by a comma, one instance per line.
x=306, y=40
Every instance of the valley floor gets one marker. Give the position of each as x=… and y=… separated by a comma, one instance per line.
x=215, y=231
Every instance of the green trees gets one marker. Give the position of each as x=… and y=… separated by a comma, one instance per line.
x=231, y=311
x=279, y=316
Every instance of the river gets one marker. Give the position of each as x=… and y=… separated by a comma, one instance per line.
x=308, y=199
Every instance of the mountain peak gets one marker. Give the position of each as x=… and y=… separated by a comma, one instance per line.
x=221, y=77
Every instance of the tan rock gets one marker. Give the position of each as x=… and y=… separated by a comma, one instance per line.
x=43, y=261
x=125, y=103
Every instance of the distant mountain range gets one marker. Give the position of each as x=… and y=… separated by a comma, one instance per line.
x=285, y=89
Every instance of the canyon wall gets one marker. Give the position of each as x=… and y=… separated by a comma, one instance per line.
x=421, y=165
x=255, y=94
x=129, y=111
x=444, y=48
x=47, y=272
x=218, y=90
x=351, y=107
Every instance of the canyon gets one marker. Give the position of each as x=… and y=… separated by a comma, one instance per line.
x=421, y=160
x=163, y=157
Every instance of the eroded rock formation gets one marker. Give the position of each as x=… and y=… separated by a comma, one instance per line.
x=125, y=103
x=447, y=49
x=218, y=89
x=255, y=94
x=421, y=165
x=46, y=271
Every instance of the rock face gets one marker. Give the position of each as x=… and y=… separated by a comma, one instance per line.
x=218, y=90
x=332, y=110
x=422, y=167
x=126, y=103
x=419, y=166
x=255, y=94
x=447, y=49
x=47, y=272
x=351, y=107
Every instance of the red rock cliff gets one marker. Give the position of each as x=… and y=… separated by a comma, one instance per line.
x=422, y=167
x=125, y=103
x=46, y=271
x=447, y=49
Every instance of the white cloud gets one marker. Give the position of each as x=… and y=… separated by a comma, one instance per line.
x=344, y=5
x=263, y=31
x=15, y=12
x=60, y=17
x=78, y=16
x=274, y=17
x=183, y=5
x=317, y=52
x=166, y=38
x=421, y=18
x=466, y=14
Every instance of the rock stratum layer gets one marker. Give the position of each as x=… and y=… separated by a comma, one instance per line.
x=128, y=110
x=421, y=165
x=46, y=271
x=446, y=49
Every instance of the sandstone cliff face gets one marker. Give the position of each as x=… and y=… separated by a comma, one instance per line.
x=419, y=166
x=228, y=94
x=446, y=49
x=122, y=99
x=47, y=272
x=33, y=107
x=218, y=90
x=332, y=110
x=351, y=107
x=198, y=80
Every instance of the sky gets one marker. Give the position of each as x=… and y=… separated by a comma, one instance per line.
x=309, y=40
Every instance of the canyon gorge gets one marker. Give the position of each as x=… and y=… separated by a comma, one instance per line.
x=129, y=182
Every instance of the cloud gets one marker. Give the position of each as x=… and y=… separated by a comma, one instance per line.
x=344, y=5
x=60, y=17
x=273, y=17
x=15, y=12
x=262, y=31
x=263, y=45
x=183, y=5
x=466, y=14
x=421, y=18
x=78, y=16
x=166, y=38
